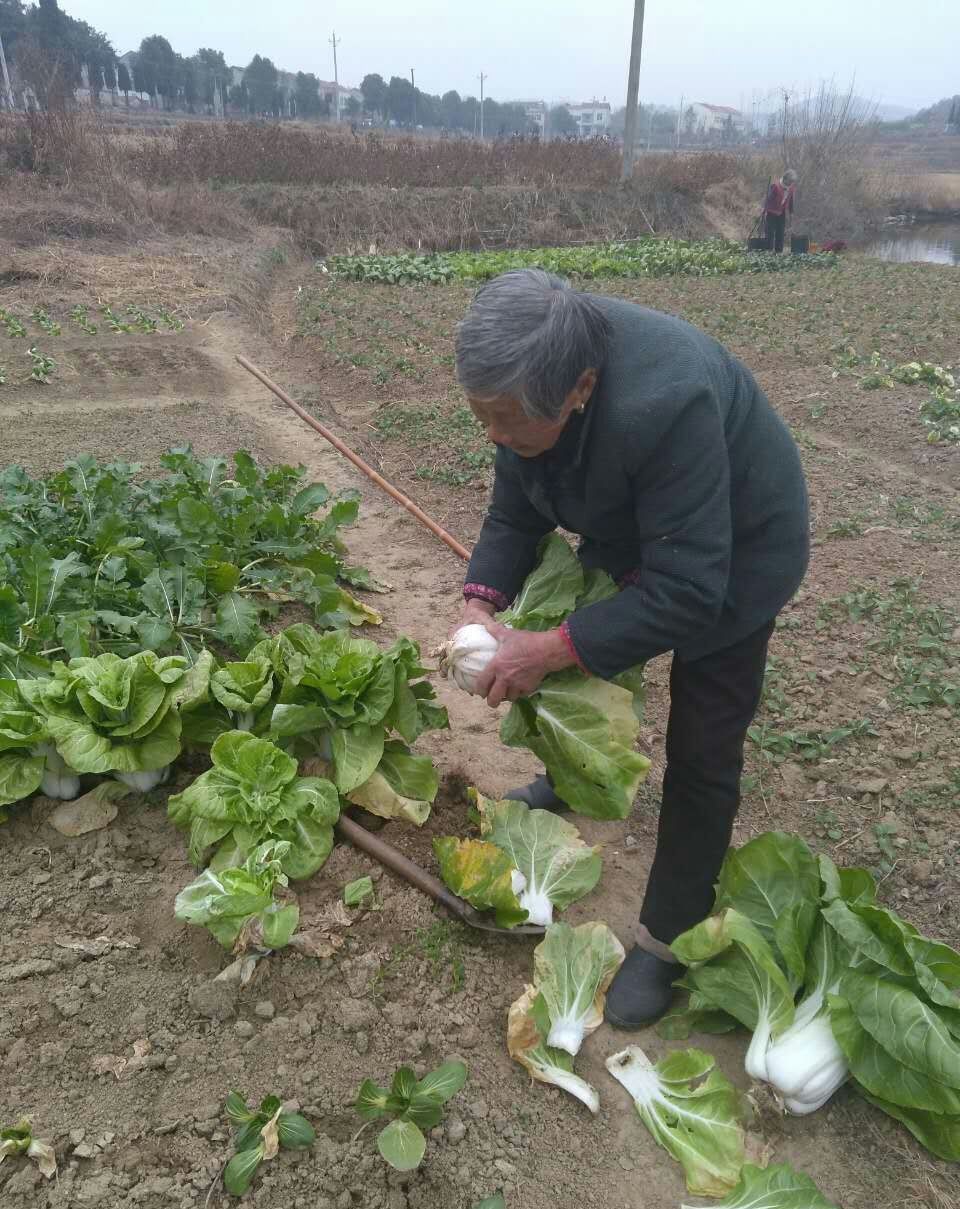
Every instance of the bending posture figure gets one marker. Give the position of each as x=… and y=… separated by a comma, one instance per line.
x=653, y=443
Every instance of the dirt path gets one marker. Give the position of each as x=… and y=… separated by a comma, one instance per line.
x=407, y=986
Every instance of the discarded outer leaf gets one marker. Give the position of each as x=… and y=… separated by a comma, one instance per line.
x=108, y=1064
x=142, y=1048
x=321, y=940
x=99, y=946
x=528, y=1023
x=44, y=1156
x=777, y=1187
x=492, y=1202
x=699, y=1123
x=482, y=874
x=91, y=812
x=271, y=1137
x=402, y=1145
x=356, y=891
x=557, y=866
x=573, y=968
x=240, y=971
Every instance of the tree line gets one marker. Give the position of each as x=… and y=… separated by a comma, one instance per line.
x=53, y=54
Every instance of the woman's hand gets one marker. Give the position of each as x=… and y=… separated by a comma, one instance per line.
x=521, y=663
x=475, y=612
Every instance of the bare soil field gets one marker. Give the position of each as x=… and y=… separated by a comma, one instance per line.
x=855, y=748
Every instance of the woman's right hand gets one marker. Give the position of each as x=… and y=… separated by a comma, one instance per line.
x=474, y=612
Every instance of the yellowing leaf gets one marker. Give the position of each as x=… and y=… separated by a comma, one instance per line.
x=482, y=874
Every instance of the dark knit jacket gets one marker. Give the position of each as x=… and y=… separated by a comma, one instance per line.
x=678, y=476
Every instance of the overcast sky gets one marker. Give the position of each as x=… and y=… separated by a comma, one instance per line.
x=728, y=52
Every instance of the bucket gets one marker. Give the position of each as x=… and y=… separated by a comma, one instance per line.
x=758, y=245
x=799, y=245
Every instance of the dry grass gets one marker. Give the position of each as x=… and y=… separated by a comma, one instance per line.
x=924, y=1181
x=927, y=192
x=338, y=192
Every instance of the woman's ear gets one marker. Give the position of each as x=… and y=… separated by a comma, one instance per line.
x=586, y=384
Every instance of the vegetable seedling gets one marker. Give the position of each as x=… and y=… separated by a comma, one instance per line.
x=19, y=1139
x=413, y=1106
x=355, y=892
x=258, y=1135
x=114, y=323
x=168, y=320
x=41, y=318
x=80, y=317
x=15, y=329
x=41, y=367
x=141, y=319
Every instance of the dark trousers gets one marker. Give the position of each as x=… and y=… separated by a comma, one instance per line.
x=776, y=226
x=712, y=702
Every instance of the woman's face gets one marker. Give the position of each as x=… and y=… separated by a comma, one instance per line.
x=507, y=424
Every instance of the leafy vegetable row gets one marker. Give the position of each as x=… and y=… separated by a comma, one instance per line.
x=639, y=258
x=296, y=695
x=94, y=560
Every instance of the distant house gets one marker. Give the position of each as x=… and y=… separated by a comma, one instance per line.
x=715, y=119
x=338, y=96
x=592, y=117
x=536, y=112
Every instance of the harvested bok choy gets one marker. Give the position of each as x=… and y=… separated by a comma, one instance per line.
x=879, y=1003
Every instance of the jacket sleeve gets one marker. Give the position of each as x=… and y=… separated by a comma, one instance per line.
x=506, y=550
x=682, y=511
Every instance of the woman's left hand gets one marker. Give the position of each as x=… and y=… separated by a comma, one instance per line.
x=521, y=663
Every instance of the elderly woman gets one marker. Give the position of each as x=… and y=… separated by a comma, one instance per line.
x=778, y=204
x=655, y=445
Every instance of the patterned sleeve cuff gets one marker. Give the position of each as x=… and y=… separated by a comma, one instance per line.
x=568, y=639
x=481, y=592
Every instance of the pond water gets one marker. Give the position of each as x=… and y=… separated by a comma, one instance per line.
x=936, y=243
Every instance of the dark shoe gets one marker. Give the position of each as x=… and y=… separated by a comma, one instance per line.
x=538, y=795
x=641, y=991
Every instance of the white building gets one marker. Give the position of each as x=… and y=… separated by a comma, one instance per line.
x=714, y=119
x=592, y=118
x=339, y=96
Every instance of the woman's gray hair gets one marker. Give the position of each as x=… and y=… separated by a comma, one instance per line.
x=530, y=335
x=789, y=177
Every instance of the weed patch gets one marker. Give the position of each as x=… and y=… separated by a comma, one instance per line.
x=452, y=446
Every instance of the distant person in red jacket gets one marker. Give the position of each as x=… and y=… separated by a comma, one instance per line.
x=778, y=205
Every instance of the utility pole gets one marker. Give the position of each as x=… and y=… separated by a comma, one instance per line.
x=335, y=42
x=482, y=79
x=413, y=85
x=633, y=92
x=7, y=90
x=680, y=119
